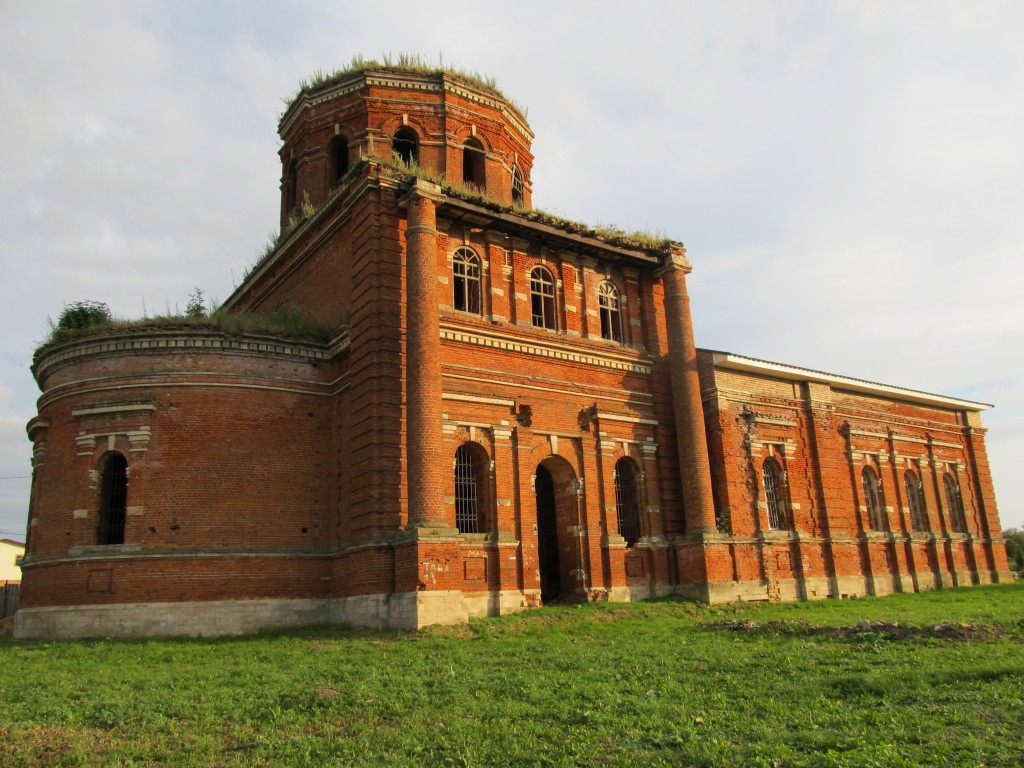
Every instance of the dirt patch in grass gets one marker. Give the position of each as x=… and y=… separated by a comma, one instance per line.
x=952, y=632
x=51, y=745
x=612, y=614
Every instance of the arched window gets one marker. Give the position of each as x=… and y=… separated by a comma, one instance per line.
x=954, y=503
x=542, y=298
x=471, y=485
x=775, y=495
x=473, y=157
x=113, y=495
x=405, y=144
x=338, y=154
x=873, y=499
x=915, y=501
x=627, y=499
x=608, y=305
x=466, y=280
x=517, y=186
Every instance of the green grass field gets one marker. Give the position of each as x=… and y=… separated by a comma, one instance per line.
x=937, y=679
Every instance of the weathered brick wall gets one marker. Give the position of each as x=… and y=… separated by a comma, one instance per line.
x=823, y=438
x=227, y=442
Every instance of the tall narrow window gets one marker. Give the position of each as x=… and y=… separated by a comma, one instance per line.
x=405, y=144
x=873, y=499
x=473, y=157
x=775, y=495
x=915, y=501
x=542, y=298
x=608, y=305
x=338, y=158
x=291, y=184
x=467, y=488
x=955, y=504
x=466, y=280
x=517, y=186
x=627, y=500
x=113, y=496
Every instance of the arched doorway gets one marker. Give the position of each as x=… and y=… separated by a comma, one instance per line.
x=547, y=538
x=557, y=546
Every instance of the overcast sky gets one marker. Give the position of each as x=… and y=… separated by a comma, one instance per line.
x=848, y=177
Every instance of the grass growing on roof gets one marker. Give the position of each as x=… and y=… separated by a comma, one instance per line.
x=660, y=683
x=404, y=62
x=288, y=322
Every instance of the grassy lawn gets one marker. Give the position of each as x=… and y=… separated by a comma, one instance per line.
x=936, y=679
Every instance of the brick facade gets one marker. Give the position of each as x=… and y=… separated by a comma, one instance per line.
x=501, y=389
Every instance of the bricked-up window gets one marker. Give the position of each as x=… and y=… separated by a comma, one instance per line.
x=338, y=159
x=113, y=496
x=775, y=495
x=542, y=298
x=627, y=499
x=873, y=499
x=473, y=163
x=470, y=488
x=954, y=504
x=608, y=305
x=915, y=501
x=466, y=280
x=405, y=144
x=517, y=186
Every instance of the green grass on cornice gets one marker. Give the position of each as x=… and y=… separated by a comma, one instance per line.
x=640, y=239
x=404, y=62
x=644, y=240
x=290, y=323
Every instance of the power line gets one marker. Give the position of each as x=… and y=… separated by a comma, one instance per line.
x=16, y=477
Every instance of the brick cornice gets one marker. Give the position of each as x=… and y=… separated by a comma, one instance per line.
x=559, y=348
x=178, y=341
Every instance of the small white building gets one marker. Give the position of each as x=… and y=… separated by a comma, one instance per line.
x=11, y=552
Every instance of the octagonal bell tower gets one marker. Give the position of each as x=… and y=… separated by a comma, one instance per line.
x=449, y=125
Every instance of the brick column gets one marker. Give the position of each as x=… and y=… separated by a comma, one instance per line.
x=691, y=441
x=424, y=450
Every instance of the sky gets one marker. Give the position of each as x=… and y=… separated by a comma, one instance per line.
x=848, y=177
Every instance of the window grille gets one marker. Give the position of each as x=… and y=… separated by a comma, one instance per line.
x=542, y=298
x=915, y=500
x=466, y=280
x=113, y=496
x=467, y=519
x=517, y=186
x=774, y=493
x=955, y=504
x=873, y=499
x=627, y=505
x=608, y=303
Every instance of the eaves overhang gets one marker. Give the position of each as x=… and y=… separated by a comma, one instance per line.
x=734, y=362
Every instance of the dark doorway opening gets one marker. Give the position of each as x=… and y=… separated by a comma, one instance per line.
x=547, y=538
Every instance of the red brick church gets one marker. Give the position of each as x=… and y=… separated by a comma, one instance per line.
x=510, y=411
